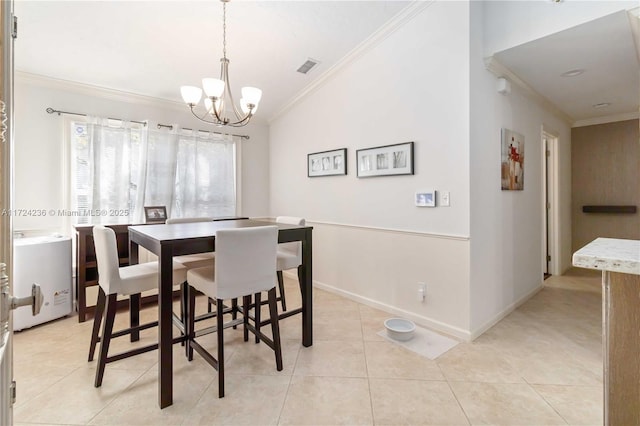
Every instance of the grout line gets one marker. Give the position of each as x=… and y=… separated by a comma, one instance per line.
x=545, y=400
x=286, y=394
x=120, y=394
x=366, y=365
x=446, y=379
x=459, y=404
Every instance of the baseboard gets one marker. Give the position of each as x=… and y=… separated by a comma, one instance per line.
x=418, y=319
x=500, y=315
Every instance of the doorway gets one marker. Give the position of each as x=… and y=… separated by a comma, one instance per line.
x=549, y=191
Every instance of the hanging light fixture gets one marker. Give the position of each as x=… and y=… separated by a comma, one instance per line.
x=218, y=92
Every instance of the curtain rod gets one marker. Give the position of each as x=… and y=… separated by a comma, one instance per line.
x=52, y=111
x=168, y=126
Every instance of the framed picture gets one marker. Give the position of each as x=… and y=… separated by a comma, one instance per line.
x=155, y=214
x=426, y=198
x=385, y=160
x=512, y=164
x=327, y=163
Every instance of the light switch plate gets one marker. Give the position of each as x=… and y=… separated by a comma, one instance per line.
x=444, y=198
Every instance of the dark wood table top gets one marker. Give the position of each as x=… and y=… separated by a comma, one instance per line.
x=195, y=230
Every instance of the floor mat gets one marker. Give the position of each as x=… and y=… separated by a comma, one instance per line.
x=425, y=342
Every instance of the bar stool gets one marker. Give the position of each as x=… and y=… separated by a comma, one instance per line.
x=114, y=280
x=244, y=265
x=197, y=260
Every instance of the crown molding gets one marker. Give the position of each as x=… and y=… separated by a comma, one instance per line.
x=499, y=70
x=607, y=119
x=397, y=22
x=95, y=91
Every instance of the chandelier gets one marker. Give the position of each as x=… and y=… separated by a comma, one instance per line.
x=218, y=92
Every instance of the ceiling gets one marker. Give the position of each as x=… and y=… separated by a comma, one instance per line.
x=153, y=47
x=607, y=49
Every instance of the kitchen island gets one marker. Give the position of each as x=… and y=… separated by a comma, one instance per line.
x=619, y=261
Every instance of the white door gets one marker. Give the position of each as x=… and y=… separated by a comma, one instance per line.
x=6, y=234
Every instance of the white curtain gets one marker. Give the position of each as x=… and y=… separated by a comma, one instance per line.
x=104, y=170
x=120, y=168
x=205, y=175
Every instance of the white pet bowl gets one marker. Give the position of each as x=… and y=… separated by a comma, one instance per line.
x=400, y=329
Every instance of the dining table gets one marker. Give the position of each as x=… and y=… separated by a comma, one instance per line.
x=167, y=241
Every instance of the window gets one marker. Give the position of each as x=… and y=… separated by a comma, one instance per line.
x=118, y=168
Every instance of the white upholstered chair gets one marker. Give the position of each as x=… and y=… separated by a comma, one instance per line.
x=197, y=260
x=114, y=280
x=244, y=265
x=289, y=255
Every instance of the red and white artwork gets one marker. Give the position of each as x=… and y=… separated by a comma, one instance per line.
x=512, y=167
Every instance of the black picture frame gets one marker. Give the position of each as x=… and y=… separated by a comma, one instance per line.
x=386, y=160
x=327, y=163
x=155, y=214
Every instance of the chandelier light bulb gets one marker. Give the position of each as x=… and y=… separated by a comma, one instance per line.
x=191, y=94
x=251, y=95
x=213, y=87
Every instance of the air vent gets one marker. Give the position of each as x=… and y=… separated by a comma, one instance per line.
x=306, y=67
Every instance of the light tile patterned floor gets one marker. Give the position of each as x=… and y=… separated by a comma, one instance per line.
x=542, y=365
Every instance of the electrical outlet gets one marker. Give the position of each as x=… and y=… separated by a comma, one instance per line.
x=422, y=292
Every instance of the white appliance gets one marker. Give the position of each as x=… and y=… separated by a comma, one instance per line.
x=45, y=261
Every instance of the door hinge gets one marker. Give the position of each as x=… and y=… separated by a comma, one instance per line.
x=548, y=153
x=14, y=30
x=548, y=258
x=12, y=392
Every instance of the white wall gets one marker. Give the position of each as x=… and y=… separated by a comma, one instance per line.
x=39, y=144
x=506, y=226
x=371, y=242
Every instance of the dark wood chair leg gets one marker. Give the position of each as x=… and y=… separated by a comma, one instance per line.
x=107, y=328
x=275, y=327
x=220, y=331
x=97, y=321
x=281, y=288
x=246, y=301
x=191, y=319
x=300, y=279
x=258, y=307
x=234, y=311
x=134, y=315
x=183, y=308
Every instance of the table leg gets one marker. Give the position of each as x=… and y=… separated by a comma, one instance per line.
x=165, y=327
x=306, y=278
x=134, y=299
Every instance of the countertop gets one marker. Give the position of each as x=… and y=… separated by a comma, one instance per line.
x=610, y=254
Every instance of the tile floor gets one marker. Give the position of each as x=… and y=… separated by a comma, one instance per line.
x=542, y=365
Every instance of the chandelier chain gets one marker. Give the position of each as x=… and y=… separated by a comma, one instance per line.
x=224, y=30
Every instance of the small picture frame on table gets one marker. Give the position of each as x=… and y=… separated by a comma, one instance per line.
x=327, y=163
x=155, y=214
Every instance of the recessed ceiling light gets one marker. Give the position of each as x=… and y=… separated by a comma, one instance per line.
x=602, y=105
x=572, y=73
